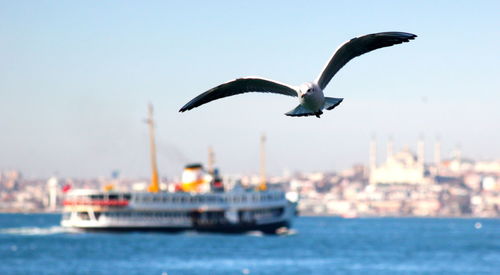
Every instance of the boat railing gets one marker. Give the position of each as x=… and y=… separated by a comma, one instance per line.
x=178, y=198
x=197, y=198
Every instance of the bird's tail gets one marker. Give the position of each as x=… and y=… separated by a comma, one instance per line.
x=300, y=111
x=331, y=102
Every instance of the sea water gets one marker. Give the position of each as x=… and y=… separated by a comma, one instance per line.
x=36, y=244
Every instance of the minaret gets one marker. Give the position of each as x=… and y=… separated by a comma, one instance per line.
x=390, y=148
x=458, y=153
x=52, y=186
x=263, y=184
x=373, y=154
x=421, y=151
x=154, y=186
x=437, y=152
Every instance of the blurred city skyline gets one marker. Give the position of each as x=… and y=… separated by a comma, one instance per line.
x=76, y=79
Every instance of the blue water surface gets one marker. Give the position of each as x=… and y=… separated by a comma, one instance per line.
x=36, y=244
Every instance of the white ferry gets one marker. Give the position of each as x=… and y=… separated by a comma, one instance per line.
x=266, y=211
x=201, y=202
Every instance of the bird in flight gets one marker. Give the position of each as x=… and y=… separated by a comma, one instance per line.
x=310, y=94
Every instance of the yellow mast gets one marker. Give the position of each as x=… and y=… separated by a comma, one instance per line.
x=263, y=184
x=154, y=186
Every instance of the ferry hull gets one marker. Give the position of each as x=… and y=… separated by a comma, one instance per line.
x=270, y=228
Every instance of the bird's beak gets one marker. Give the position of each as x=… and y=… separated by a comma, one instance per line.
x=302, y=95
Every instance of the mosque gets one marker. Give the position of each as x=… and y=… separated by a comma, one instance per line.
x=403, y=167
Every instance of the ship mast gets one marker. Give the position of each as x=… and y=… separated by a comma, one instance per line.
x=263, y=184
x=211, y=161
x=154, y=186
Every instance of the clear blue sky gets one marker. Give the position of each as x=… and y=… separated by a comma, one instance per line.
x=76, y=77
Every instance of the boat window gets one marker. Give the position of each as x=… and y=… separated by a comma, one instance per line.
x=113, y=197
x=83, y=215
x=127, y=196
x=97, y=197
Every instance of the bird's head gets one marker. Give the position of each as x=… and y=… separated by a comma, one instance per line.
x=306, y=89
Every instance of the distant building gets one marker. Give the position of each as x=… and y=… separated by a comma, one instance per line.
x=490, y=167
x=401, y=168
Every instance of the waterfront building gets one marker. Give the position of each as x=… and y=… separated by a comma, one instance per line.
x=400, y=168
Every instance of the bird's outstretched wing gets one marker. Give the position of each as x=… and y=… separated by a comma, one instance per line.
x=358, y=46
x=240, y=86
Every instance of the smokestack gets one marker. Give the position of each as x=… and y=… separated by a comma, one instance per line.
x=373, y=153
x=421, y=151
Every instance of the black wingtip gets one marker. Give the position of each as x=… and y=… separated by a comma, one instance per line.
x=184, y=108
x=405, y=36
x=412, y=36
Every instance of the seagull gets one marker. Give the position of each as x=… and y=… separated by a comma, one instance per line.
x=310, y=94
